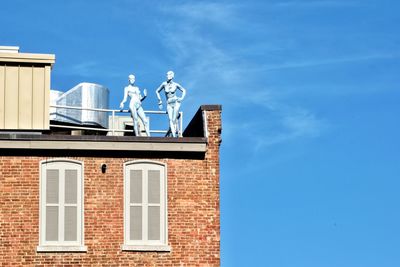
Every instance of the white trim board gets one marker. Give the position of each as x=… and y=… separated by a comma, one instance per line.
x=85, y=145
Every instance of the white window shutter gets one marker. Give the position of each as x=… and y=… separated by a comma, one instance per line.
x=135, y=224
x=52, y=204
x=136, y=187
x=70, y=209
x=70, y=224
x=52, y=186
x=154, y=187
x=153, y=178
x=136, y=204
x=145, y=205
x=71, y=186
x=61, y=205
x=154, y=223
x=52, y=223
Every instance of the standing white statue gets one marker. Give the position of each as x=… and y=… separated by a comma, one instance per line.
x=173, y=101
x=135, y=105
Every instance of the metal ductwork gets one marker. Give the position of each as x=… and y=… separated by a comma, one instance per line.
x=83, y=95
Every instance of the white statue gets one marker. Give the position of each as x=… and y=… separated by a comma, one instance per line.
x=135, y=105
x=173, y=101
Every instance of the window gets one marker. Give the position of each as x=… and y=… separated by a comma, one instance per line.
x=61, y=206
x=145, y=206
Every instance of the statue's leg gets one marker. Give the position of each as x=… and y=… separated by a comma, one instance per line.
x=142, y=116
x=175, y=115
x=170, y=111
x=135, y=121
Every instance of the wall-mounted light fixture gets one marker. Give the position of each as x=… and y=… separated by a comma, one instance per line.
x=103, y=168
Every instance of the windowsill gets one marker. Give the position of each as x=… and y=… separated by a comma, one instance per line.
x=159, y=248
x=61, y=248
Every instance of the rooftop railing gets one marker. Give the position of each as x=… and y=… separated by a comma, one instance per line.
x=112, y=130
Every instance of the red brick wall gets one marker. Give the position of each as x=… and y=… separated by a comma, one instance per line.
x=193, y=211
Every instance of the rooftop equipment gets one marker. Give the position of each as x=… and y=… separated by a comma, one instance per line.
x=83, y=95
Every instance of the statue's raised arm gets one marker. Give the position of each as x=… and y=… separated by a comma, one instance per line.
x=159, y=89
x=183, y=90
x=173, y=101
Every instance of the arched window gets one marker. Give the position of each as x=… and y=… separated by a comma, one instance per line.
x=61, y=206
x=145, y=206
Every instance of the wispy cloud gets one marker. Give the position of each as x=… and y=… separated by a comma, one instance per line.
x=210, y=66
x=318, y=3
x=216, y=13
x=200, y=57
x=285, y=124
x=299, y=123
x=91, y=69
x=327, y=61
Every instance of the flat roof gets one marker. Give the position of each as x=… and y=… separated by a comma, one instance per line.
x=24, y=58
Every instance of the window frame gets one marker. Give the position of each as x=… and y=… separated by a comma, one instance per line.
x=61, y=246
x=146, y=245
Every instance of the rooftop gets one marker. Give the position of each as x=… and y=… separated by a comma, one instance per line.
x=194, y=141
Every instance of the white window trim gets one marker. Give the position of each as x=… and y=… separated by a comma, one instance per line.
x=64, y=246
x=160, y=248
x=61, y=248
x=141, y=245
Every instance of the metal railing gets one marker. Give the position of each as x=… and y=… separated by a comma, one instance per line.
x=112, y=113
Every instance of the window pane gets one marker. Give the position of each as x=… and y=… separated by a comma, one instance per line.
x=154, y=223
x=135, y=223
x=51, y=223
x=154, y=186
x=70, y=224
x=71, y=186
x=136, y=186
x=52, y=186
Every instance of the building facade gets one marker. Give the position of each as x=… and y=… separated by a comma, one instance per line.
x=111, y=200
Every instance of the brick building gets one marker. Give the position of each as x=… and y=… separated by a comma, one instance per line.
x=102, y=200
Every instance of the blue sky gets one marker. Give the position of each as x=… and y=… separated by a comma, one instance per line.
x=310, y=159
